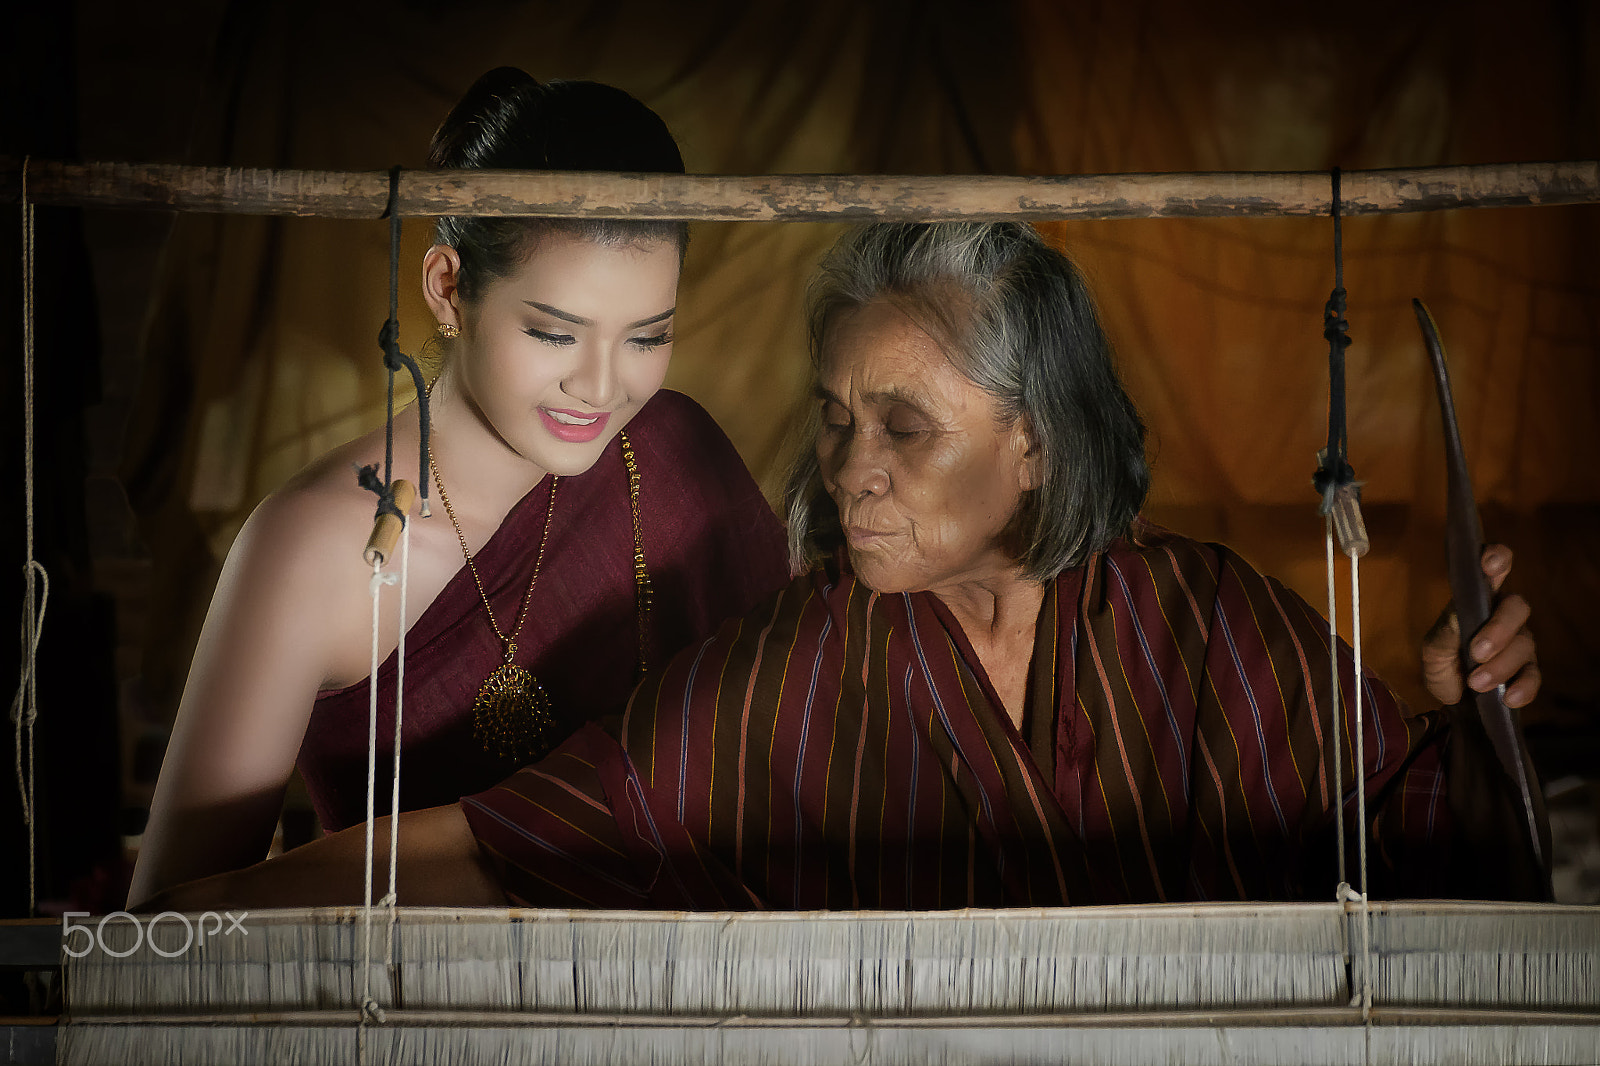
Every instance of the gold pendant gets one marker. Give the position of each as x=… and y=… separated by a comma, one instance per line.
x=512, y=717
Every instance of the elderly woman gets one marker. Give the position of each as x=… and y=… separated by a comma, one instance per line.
x=996, y=686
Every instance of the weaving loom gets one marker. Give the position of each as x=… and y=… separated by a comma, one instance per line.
x=1230, y=983
x=1236, y=983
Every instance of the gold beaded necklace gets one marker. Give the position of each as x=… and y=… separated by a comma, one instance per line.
x=512, y=715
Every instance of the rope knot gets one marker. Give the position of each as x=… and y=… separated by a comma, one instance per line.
x=367, y=477
x=1333, y=469
x=1335, y=329
x=1329, y=478
x=389, y=341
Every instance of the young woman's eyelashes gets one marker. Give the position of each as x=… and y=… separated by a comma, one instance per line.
x=558, y=340
x=564, y=340
x=655, y=341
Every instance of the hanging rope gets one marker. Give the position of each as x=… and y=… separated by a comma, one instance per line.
x=1361, y=792
x=370, y=1012
x=1337, y=728
x=1335, y=481
x=399, y=708
x=1333, y=467
x=36, y=582
x=394, y=360
x=394, y=496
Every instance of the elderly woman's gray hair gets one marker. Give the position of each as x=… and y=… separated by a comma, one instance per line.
x=1018, y=321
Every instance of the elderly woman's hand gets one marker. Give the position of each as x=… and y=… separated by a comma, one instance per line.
x=1503, y=649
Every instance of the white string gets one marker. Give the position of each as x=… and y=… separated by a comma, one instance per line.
x=25, y=706
x=369, y=1008
x=399, y=709
x=1345, y=893
x=36, y=595
x=1337, y=715
x=1361, y=796
x=392, y=899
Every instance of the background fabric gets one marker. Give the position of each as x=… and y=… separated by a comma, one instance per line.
x=254, y=340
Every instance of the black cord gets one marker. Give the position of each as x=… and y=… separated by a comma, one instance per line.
x=1333, y=468
x=389, y=335
x=394, y=360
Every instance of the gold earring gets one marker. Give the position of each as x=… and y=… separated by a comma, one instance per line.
x=448, y=331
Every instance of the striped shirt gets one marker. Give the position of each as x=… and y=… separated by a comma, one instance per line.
x=841, y=749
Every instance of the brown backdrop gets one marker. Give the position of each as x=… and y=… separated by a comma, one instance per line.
x=260, y=351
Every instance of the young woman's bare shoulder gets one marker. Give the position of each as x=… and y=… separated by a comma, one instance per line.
x=302, y=545
x=322, y=510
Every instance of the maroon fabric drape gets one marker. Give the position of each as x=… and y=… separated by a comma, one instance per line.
x=840, y=749
x=713, y=547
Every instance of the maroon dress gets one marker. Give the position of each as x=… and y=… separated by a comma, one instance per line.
x=714, y=549
x=838, y=748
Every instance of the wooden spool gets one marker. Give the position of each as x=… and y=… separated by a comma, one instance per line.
x=386, y=527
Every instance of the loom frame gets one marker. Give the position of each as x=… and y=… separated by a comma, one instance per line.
x=1531, y=1032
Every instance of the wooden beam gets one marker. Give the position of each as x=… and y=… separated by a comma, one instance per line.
x=795, y=197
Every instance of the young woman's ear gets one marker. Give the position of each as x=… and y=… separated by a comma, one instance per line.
x=441, y=274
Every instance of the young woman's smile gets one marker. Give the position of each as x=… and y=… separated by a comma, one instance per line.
x=574, y=427
x=557, y=357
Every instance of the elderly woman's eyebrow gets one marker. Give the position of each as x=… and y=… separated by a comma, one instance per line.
x=894, y=394
x=897, y=394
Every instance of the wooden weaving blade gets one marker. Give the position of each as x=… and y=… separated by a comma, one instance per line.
x=1469, y=588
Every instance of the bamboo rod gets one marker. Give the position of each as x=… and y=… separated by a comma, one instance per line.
x=795, y=197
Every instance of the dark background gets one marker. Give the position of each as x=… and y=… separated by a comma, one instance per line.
x=185, y=367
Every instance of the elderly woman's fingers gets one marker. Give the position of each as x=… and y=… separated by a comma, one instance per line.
x=1504, y=625
x=1445, y=633
x=1497, y=559
x=1503, y=649
x=1521, y=691
x=1441, y=671
x=1501, y=667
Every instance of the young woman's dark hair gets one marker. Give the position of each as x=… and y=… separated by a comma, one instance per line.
x=510, y=121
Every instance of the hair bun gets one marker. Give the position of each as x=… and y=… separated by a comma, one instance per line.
x=510, y=121
x=478, y=125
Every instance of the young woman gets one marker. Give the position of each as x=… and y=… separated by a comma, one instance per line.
x=586, y=525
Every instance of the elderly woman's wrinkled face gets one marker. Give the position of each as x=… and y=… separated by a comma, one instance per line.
x=925, y=476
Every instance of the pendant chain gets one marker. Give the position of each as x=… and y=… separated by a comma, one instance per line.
x=644, y=591
x=522, y=612
x=512, y=714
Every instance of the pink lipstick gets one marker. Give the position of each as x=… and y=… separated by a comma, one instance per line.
x=574, y=427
